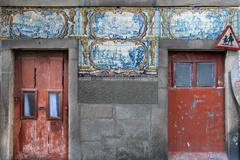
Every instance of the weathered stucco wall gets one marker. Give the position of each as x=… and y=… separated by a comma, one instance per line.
x=118, y=104
x=231, y=107
x=6, y=102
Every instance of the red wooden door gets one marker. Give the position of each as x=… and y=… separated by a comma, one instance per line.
x=196, y=104
x=40, y=112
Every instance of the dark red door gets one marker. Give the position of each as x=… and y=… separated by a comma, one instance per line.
x=40, y=112
x=196, y=105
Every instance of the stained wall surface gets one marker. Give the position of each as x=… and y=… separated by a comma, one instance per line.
x=122, y=72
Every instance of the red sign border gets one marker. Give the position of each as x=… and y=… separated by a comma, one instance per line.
x=224, y=47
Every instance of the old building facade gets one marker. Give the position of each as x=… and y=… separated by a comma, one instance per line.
x=117, y=80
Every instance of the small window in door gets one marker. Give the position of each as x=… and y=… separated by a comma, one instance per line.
x=54, y=109
x=183, y=74
x=205, y=75
x=29, y=104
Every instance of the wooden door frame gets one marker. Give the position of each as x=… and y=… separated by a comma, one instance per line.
x=8, y=49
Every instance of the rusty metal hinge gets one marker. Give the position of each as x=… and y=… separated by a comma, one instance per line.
x=16, y=99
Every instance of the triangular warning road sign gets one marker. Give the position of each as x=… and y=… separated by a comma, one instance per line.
x=228, y=40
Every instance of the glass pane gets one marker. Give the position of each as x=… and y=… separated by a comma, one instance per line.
x=183, y=74
x=54, y=105
x=29, y=104
x=205, y=74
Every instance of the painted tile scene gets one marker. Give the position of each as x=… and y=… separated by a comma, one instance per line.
x=106, y=31
x=147, y=80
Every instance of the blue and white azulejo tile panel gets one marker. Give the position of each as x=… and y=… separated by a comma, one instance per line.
x=236, y=23
x=196, y=23
x=118, y=54
x=118, y=41
x=33, y=23
x=177, y=23
x=118, y=24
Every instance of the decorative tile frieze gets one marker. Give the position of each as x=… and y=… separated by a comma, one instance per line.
x=117, y=41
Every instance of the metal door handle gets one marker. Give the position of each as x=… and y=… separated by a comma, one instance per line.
x=66, y=108
x=42, y=108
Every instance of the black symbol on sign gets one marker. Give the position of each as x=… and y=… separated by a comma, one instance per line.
x=228, y=39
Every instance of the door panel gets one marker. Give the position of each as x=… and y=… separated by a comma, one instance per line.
x=197, y=120
x=38, y=74
x=196, y=102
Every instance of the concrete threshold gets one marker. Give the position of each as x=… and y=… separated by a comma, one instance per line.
x=197, y=156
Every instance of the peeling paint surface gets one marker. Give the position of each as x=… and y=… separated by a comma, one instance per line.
x=196, y=102
x=196, y=121
x=196, y=114
x=40, y=136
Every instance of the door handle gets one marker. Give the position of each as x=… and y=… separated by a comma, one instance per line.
x=42, y=107
x=66, y=108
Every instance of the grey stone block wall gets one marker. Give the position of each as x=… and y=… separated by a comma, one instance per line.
x=116, y=131
x=125, y=119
